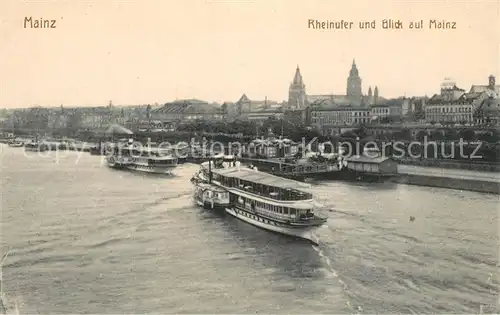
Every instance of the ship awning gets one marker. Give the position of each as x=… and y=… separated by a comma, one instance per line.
x=261, y=178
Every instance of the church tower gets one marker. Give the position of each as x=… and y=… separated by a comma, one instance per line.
x=375, y=95
x=491, y=82
x=370, y=95
x=297, y=91
x=354, y=82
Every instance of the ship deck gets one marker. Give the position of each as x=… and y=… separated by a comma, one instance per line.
x=260, y=178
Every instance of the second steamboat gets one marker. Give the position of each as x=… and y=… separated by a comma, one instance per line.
x=142, y=159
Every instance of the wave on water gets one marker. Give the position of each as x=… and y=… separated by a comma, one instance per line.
x=323, y=252
x=9, y=305
x=111, y=241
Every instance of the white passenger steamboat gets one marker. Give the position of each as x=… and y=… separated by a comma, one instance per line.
x=149, y=160
x=267, y=201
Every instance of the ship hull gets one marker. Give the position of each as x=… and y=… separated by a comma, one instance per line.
x=118, y=166
x=129, y=165
x=264, y=223
x=31, y=149
x=151, y=169
x=212, y=207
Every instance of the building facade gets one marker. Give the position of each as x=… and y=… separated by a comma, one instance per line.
x=326, y=114
x=488, y=112
x=491, y=88
x=454, y=106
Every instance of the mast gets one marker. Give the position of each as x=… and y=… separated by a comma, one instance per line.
x=12, y=123
x=210, y=169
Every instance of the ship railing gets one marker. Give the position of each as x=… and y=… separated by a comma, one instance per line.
x=312, y=218
x=272, y=214
x=280, y=197
x=274, y=195
x=271, y=195
x=289, y=218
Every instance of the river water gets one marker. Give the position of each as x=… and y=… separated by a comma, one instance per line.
x=88, y=239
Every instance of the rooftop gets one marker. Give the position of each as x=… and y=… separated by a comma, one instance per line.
x=190, y=106
x=261, y=178
x=489, y=106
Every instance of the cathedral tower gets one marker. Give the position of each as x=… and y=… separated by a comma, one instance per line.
x=491, y=82
x=297, y=91
x=354, y=82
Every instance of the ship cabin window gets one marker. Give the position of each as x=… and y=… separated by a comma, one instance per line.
x=291, y=194
x=285, y=210
x=226, y=181
x=232, y=198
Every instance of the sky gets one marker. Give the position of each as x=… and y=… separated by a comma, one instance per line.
x=139, y=52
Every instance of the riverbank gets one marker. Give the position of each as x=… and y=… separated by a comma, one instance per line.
x=447, y=182
x=451, y=164
x=478, y=181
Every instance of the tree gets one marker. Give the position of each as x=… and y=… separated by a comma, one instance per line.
x=420, y=135
x=74, y=121
x=349, y=135
x=467, y=135
x=486, y=137
x=437, y=135
x=360, y=132
x=495, y=134
x=451, y=134
x=224, y=109
x=404, y=134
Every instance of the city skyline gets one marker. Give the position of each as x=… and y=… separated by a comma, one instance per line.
x=216, y=51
